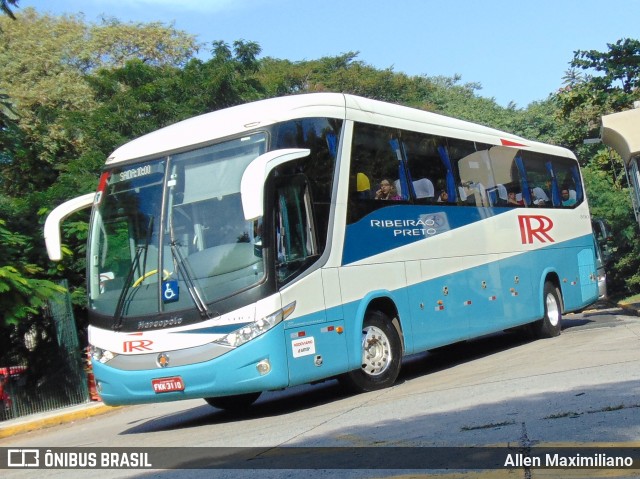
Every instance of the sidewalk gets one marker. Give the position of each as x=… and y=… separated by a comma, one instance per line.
x=34, y=422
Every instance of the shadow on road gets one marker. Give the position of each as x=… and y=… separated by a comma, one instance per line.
x=299, y=398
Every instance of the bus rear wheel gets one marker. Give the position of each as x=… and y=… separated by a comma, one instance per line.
x=551, y=323
x=238, y=402
x=381, y=356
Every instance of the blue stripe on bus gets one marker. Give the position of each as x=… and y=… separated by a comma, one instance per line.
x=222, y=329
x=488, y=298
x=394, y=226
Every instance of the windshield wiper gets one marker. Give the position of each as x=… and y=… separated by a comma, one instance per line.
x=119, y=313
x=122, y=299
x=183, y=269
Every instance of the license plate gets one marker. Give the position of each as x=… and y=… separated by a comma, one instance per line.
x=167, y=385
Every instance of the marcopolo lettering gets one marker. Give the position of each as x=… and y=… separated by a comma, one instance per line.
x=159, y=323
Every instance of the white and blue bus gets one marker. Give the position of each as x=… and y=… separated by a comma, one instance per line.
x=250, y=249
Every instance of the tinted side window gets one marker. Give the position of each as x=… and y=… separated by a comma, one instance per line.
x=507, y=190
x=567, y=181
x=321, y=136
x=426, y=168
x=476, y=175
x=377, y=175
x=550, y=181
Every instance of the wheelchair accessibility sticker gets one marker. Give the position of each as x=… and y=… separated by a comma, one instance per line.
x=170, y=291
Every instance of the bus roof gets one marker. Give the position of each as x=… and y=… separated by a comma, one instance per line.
x=206, y=128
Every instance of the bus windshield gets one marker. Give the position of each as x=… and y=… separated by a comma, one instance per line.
x=170, y=233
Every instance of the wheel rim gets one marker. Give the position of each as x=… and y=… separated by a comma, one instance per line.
x=553, y=311
x=376, y=351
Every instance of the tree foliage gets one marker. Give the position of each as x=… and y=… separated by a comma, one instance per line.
x=617, y=69
x=45, y=62
x=608, y=84
x=600, y=83
x=72, y=91
x=20, y=293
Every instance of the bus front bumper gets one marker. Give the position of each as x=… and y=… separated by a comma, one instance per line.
x=258, y=365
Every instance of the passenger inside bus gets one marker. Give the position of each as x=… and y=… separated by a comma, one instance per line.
x=443, y=197
x=387, y=191
x=539, y=197
x=567, y=199
x=512, y=198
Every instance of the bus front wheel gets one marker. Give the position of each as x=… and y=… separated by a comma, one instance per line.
x=237, y=402
x=551, y=323
x=381, y=355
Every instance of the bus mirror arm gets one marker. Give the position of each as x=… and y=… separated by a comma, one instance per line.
x=52, y=235
x=255, y=175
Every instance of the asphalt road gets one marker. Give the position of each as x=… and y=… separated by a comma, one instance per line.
x=579, y=389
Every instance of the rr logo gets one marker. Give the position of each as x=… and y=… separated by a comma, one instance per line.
x=535, y=227
x=137, y=345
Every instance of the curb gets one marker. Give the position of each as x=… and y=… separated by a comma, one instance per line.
x=24, y=425
x=630, y=309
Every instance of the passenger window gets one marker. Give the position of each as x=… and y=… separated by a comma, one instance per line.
x=548, y=181
x=538, y=182
x=508, y=189
x=296, y=244
x=426, y=169
x=568, y=183
x=377, y=176
x=320, y=135
x=476, y=178
x=474, y=171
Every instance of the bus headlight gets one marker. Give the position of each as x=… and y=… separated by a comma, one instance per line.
x=101, y=355
x=253, y=330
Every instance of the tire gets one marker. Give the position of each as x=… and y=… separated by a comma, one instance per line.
x=381, y=356
x=238, y=402
x=551, y=323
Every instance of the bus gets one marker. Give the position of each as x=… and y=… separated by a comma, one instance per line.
x=250, y=249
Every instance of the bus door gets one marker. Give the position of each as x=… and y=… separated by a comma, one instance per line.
x=316, y=347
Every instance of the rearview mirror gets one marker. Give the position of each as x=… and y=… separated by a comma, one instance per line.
x=52, y=235
x=254, y=176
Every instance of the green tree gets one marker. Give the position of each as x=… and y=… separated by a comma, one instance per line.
x=49, y=153
x=345, y=73
x=227, y=79
x=20, y=294
x=617, y=69
x=609, y=83
x=45, y=61
x=610, y=200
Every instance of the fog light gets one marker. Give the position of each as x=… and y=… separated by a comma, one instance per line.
x=264, y=367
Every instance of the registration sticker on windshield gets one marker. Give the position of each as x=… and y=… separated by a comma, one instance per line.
x=167, y=385
x=303, y=346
